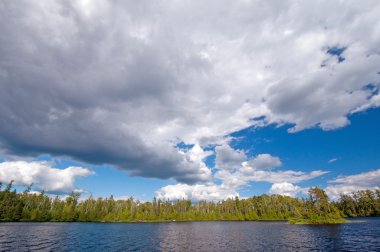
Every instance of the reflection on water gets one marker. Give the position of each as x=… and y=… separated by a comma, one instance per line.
x=190, y=236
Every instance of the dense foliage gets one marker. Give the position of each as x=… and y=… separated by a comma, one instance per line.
x=318, y=210
x=28, y=206
x=360, y=204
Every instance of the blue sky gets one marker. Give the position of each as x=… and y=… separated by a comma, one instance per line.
x=347, y=151
x=175, y=100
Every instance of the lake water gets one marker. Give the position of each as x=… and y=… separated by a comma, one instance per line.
x=360, y=235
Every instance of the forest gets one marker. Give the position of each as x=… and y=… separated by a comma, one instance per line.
x=316, y=208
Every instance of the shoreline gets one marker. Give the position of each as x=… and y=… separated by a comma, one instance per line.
x=347, y=220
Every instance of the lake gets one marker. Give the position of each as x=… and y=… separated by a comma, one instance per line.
x=359, y=235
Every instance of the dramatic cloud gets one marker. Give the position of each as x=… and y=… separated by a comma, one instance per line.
x=123, y=82
x=348, y=184
x=42, y=175
x=228, y=158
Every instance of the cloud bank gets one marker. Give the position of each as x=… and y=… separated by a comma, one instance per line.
x=123, y=82
x=233, y=171
x=43, y=176
x=352, y=183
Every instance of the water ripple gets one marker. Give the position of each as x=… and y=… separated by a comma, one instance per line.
x=190, y=236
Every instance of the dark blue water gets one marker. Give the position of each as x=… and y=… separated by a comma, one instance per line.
x=363, y=235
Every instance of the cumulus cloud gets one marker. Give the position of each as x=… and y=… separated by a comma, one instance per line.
x=285, y=188
x=43, y=176
x=348, y=184
x=228, y=158
x=238, y=171
x=196, y=192
x=123, y=82
x=263, y=161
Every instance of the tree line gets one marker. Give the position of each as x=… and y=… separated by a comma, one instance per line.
x=26, y=206
x=365, y=203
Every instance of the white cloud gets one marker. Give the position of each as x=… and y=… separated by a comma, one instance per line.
x=373, y=103
x=285, y=188
x=42, y=175
x=348, y=184
x=195, y=192
x=332, y=160
x=280, y=176
x=122, y=82
x=197, y=170
x=228, y=158
x=263, y=161
x=238, y=171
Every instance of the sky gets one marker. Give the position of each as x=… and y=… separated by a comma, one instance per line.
x=201, y=100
